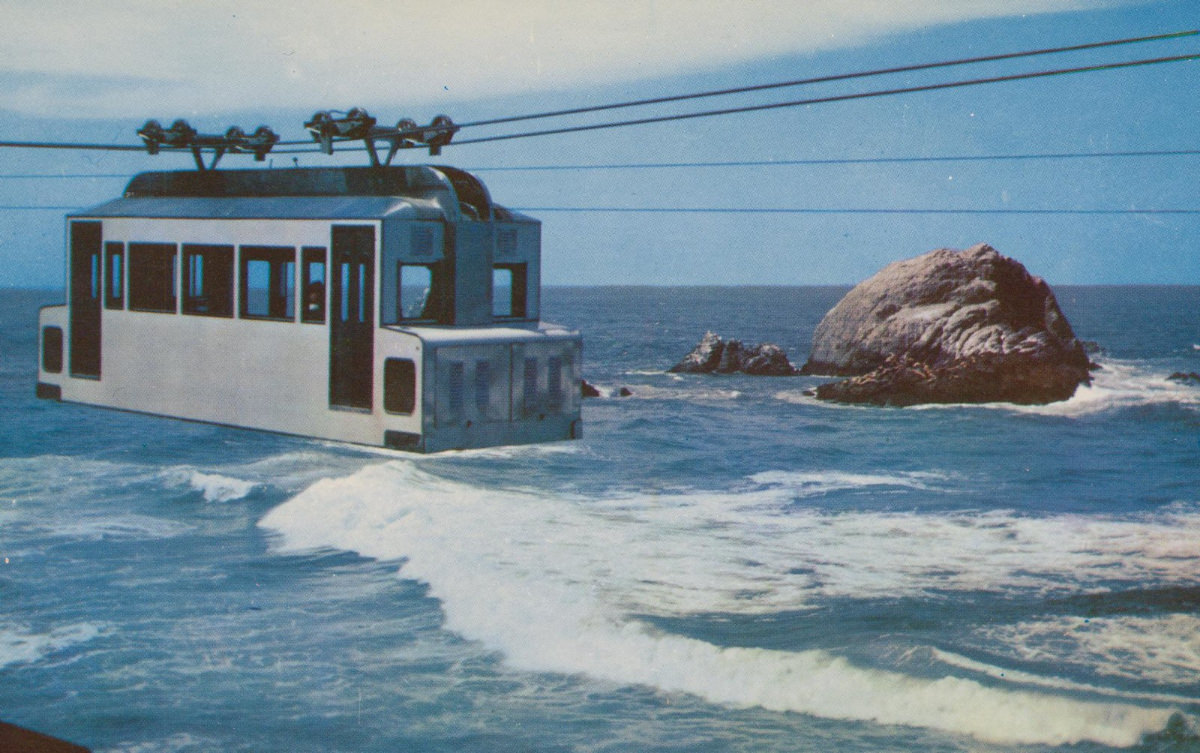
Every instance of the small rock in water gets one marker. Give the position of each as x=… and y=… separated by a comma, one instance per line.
x=1189, y=377
x=587, y=389
x=716, y=356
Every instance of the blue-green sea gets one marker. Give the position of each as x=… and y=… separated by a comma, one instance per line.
x=722, y=563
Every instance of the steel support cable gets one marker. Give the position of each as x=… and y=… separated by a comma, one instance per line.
x=71, y=176
x=804, y=81
x=777, y=210
x=36, y=208
x=833, y=98
x=845, y=210
x=847, y=161
x=67, y=145
x=834, y=77
x=737, y=163
x=684, y=116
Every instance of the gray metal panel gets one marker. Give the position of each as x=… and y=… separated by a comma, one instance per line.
x=288, y=208
x=412, y=182
x=473, y=273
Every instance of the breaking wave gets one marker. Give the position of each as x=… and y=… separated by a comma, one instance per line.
x=1117, y=385
x=557, y=583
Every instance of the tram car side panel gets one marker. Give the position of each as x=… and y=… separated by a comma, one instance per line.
x=208, y=320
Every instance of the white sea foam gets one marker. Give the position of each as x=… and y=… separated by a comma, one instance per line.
x=1118, y=384
x=811, y=483
x=554, y=584
x=690, y=391
x=218, y=488
x=801, y=397
x=20, y=645
x=119, y=526
x=1163, y=649
x=1058, y=683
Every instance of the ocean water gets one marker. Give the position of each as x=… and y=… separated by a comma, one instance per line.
x=720, y=564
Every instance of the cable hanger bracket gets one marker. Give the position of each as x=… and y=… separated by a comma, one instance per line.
x=331, y=126
x=182, y=137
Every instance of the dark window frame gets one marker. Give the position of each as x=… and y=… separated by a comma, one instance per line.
x=281, y=283
x=518, y=307
x=207, y=280
x=147, y=270
x=438, y=306
x=316, y=291
x=114, y=296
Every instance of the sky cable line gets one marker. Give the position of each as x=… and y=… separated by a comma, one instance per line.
x=426, y=130
x=834, y=161
x=816, y=80
x=781, y=210
x=814, y=161
x=837, y=98
x=831, y=78
x=851, y=210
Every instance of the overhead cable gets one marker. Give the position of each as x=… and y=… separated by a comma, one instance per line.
x=831, y=78
x=834, y=98
x=844, y=210
x=68, y=145
x=728, y=111
x=842, y=161
x=770, y=210
x=731, y=163
x=808, y=81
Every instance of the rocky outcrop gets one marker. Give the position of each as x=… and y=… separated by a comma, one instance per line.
x=587, y=389
x=949, y=327
x=1188, y=377
x=716, y=356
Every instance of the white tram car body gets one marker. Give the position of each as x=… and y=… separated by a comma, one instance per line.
x=391, y=306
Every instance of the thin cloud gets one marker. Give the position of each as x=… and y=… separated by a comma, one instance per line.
x=222, y=56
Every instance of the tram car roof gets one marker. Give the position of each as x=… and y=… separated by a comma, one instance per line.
x=422, y=192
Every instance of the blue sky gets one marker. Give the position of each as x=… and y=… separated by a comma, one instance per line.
x=92, y=72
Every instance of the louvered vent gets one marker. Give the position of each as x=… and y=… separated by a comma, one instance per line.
x=422, y=241
x=506, y=242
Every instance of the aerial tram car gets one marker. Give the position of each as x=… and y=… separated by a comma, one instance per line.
x=395, y=306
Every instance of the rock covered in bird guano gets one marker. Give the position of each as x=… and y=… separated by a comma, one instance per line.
x=716, y=356
x=950, y=326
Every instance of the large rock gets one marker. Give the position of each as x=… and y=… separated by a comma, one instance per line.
x=716, y=356
x=949, y=327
